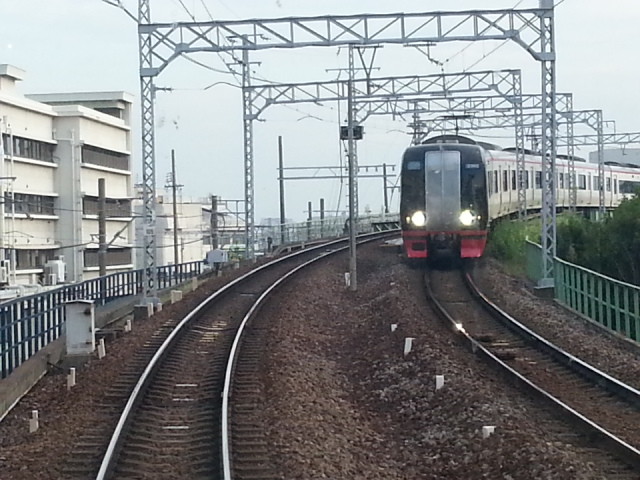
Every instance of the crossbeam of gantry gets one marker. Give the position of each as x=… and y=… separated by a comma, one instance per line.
x=399, y=87
x=169, y=40
x=161, y=43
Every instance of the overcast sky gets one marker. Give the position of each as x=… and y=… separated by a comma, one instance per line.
x=87, y=45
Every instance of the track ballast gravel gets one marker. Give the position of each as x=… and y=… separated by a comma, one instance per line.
x=342, y=402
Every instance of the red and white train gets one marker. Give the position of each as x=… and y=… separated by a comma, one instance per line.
x=453, y=187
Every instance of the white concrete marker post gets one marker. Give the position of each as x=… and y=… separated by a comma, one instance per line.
x=102, y=351
x=34, y=422
x=394, y=327
x=488, y=430
x=128, y=325
x=408, y=344
x=176, y=296
x=71, y=378
x=439, y=381
x=158, y=307
x=347, y=279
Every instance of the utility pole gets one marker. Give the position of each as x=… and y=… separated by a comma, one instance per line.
x=102, y=228
x=321, y=217
x=281, y=181
x=214, y=222
x=174, y=187
x=309, y=218
x=384, y=188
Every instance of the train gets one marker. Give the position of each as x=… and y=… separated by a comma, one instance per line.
x=452, y=188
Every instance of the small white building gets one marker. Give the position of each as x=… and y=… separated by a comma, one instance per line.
x=55, y=148
x=194, y=229
x=618, y=155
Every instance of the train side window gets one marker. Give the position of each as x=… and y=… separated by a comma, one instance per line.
x=582, y=182
x=528, y=179
x=629, y=186
x=608, y=179
x=615, y=186
x=505, y=180
x=495, y=182
x=561, y=180
x=514, y=184
x=414, y=165
x=538, y=180
x=596, y=182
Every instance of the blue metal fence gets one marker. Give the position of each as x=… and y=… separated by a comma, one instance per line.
x=29, y=323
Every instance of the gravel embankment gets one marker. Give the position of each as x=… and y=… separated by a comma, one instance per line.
x=344, y=403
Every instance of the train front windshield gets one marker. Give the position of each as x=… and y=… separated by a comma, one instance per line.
x=442, y=189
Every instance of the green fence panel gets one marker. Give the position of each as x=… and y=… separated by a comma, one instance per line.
x=611, y=303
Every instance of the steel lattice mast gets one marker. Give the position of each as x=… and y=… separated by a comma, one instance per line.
x=547, y=57
x=147, y=99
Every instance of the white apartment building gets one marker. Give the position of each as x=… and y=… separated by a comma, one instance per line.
x=55, y=147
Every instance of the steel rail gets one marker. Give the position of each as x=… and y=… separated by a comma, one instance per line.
x=109, y=459
x=226, y=391
x=614, y=444
x=579, y=366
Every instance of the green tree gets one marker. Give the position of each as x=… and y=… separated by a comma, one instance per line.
x=621, y=247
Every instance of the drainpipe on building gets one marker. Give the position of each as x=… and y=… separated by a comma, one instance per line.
x=3, y=230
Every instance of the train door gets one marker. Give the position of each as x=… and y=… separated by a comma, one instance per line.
x=442, y=180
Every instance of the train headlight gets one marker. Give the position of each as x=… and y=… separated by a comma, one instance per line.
x=419, y=219
x=467, y=218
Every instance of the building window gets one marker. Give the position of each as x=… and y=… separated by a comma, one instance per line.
x=29, y=204
x=104, y=158
x=115, y=256
x=30, y=259
x=27, y=148
x=113, y=208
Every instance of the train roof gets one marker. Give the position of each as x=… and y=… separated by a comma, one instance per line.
x=448, y=138
x=526, y=151
x=619, y=164
x=561, y=156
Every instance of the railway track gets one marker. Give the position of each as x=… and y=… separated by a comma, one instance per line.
x=606, y=410
x=178, y=420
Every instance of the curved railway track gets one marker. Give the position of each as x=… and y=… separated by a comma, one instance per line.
x=605, y=409
x=178, y=421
